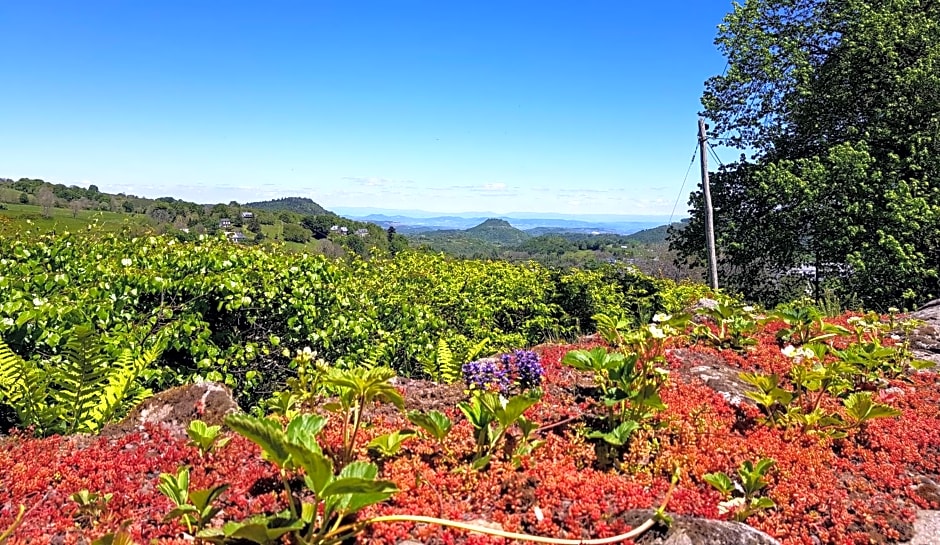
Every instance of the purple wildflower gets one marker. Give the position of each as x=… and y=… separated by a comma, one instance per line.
x=486, y=375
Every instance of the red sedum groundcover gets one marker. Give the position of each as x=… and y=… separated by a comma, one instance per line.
x=863, y=488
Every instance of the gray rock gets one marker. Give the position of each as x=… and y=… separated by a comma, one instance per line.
x=926, y=528
x=699, y=531
x=925, y=340
x=714, y=372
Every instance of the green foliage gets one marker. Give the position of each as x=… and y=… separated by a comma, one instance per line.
x=743, y=498
x=227, y=312
x=735, y=326
x=90, y=506
x=805, y=325
x=434, y=423
x=197, y=508
x=295, y=233
x=79, y=391
x=259, y=529
x=331, y=498
x=389, y=444
x=443, y=366
x=858, y=366
x=492, y=416
x=357, y=389
x=860, y=408
x=205, y=438
x=836, y=103
x=629, y=380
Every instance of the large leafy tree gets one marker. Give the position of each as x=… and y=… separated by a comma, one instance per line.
x=837, y=105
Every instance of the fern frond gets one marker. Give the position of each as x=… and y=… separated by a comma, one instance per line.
x=477, y=349
x=23, y=388
x=120, y=387
x=81, y=378
x=449, y=366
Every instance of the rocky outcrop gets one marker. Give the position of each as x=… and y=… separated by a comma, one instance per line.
x=699, y=531
x=925, y=340
x=713, y=371
x=177, y=407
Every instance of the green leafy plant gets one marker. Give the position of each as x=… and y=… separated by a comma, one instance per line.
x=860, y=408
x=357, y=389
x=259, y=529
x=735, y=326
x=284, y=403
x=769, y=396
x=805, y=324
x=197, y=508
x=434, y=423
x=389, y=444
x=320, y=517
x=491, y=416
x=629, y=380
x=206, y=438
x=78, y=392
x=90, y=506
x=742, y=498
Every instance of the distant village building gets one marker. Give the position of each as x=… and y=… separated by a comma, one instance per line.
x=236, y=237
x=225, y=222
x=247, y=215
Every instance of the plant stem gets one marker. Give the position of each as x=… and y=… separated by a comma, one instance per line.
x=639, y=530
x=290, y=496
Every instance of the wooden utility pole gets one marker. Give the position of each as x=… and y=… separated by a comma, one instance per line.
x=709, y=214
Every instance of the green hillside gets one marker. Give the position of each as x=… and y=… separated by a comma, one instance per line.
x=498, y=231
x=656, y=235
x=298, y=205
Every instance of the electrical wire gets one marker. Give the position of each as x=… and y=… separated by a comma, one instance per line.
x=684, y=180
x=715, y=155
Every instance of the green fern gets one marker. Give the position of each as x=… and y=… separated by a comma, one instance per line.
x=23, y=386
x=445, y=367
x=81, y=377
x=121, y=391
x=79, y=391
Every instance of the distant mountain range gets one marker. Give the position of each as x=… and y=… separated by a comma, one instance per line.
x=416, y=221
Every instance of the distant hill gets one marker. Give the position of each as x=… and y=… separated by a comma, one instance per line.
x=656, y=235
x=497, y=231
x=482, y=240
x=299, y=205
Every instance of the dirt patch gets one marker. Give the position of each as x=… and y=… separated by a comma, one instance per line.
x=177, y=407
x=426, y=395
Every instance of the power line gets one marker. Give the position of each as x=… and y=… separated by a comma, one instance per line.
x=715, y=155
x=684, y=180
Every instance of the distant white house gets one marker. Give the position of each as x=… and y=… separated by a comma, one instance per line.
x=247, y=215
x=236, y=237
x=362, y=232
x=225, y=222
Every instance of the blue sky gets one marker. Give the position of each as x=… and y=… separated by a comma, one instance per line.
x=574, y=107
